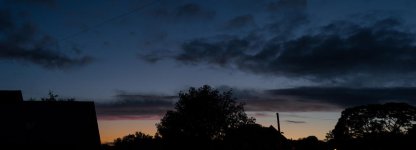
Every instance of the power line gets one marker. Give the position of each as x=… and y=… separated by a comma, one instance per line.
x=109, y=20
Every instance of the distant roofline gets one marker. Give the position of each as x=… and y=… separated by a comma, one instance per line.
x=10, y=96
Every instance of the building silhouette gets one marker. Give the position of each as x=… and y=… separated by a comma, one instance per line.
x=47, y=124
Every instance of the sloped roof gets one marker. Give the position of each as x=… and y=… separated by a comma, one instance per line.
x=49, y=125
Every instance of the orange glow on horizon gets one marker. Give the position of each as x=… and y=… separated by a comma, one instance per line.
x=112, y=129
x=316, y=124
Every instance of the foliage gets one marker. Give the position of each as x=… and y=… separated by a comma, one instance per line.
x=376, y=126
x=138, y=140
x=375, y=119
x=203, y=114
x=53, y=97
x=412, y=131
x=309, y=143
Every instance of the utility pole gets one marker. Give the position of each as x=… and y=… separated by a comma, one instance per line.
x=278, y=123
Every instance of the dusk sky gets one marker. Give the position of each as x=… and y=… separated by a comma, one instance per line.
x=307, y=59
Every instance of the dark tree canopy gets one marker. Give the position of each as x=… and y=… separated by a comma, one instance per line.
x=375, y=120
x=202, y=114
x=138, y=140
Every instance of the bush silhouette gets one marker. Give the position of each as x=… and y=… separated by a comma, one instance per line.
x=138, y=140
x=255, y=136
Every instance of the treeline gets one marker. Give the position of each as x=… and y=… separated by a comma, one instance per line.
x=249, y=141
x=206, y=119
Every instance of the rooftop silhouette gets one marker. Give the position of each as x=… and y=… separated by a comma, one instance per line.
x=10, y=96
x=47, y=124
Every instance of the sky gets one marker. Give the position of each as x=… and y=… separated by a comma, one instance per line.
x=306, y=59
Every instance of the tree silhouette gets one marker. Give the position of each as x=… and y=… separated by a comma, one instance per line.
x=309, y=143
x=53, y=98
x=375, y=125
x=390, y=118
x=202, y=116
x=138, y=140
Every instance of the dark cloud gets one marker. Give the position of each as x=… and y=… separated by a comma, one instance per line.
x=188, y=9
x=280, y=25
x=135, y=106
x=185, y=11
x=222, y=53
x=302, y=99
x=129, y=117
x=23, y=43
x=261, y=114
x=340, y=51
x=281, y=103
x=265, y=100
x=240, y=22
x=287, y=5
x=193, y=10
x=284, y=26
x=296, y=122
x=347, y=97
x=288, y=15
x=49, y=3
x=305, y=99
x=286, y=18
